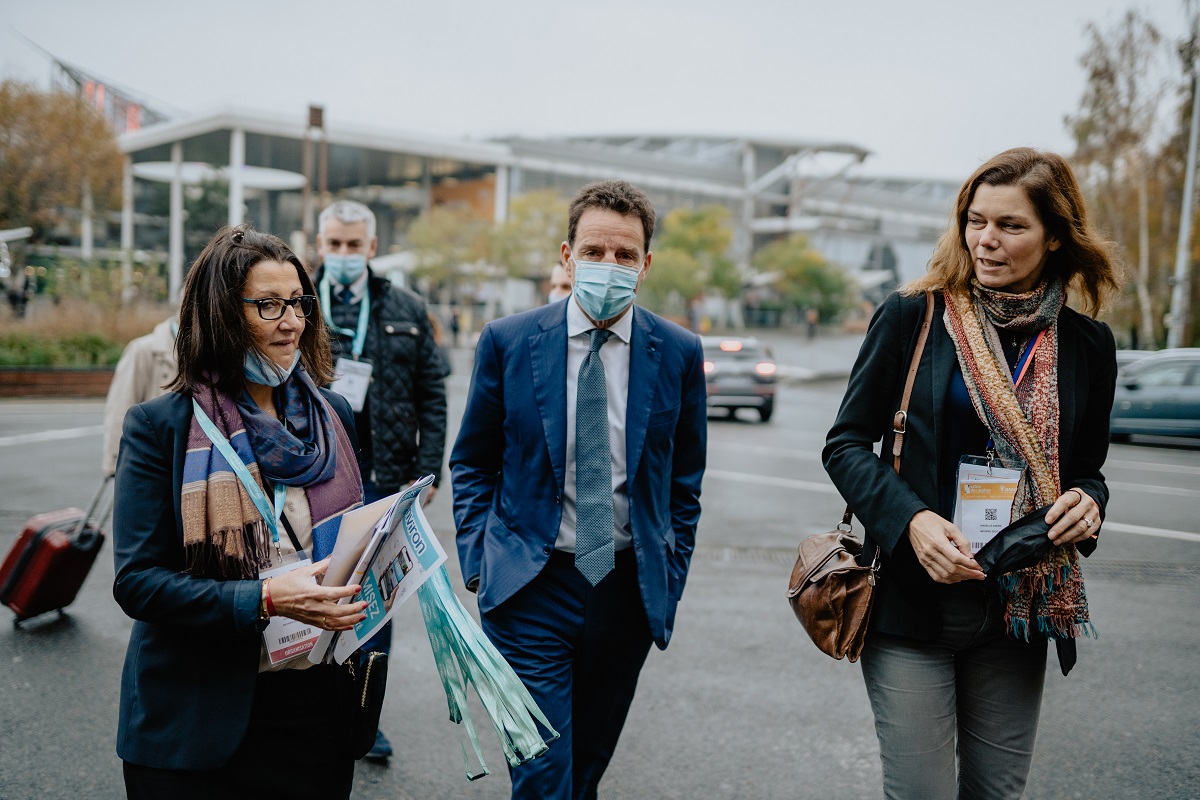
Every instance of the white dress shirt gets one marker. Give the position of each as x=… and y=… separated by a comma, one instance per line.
x=615, y=357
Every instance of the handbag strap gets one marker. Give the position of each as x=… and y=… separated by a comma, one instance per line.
x=900, y=421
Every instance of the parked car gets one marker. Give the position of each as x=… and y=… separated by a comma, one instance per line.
x=740, y=373
x=1158, y=394
x=1127, y=357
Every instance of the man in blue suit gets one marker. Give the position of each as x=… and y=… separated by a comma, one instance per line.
x=576, y=478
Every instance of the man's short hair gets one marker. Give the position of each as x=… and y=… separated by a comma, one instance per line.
x=348, y=212
x=619, y=196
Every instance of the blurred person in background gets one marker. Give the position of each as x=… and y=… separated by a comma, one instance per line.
x=560, y=285
x=955, y=660
x=383, y=332
x=242, y=465
x=146, y=366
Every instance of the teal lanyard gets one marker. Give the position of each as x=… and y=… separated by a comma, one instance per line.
x=239, y=468
x=364, y=314
x=465, y=655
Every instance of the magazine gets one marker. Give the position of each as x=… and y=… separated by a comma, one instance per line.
x=389, y=549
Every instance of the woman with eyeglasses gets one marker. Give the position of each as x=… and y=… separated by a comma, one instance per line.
x=229, y=492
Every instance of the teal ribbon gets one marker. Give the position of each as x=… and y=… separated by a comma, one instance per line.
x=464, y=655
x=364, y=314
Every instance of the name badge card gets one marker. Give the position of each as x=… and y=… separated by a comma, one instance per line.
x=351, y=379
x=984, y=500
x=284, y=637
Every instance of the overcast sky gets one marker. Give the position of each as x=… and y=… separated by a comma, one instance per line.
x=932, y=87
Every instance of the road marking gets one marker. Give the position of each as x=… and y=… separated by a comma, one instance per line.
x=1142, y=530
x=1152, y=466
x=768, y=480
x=769, y=450
x=826, y=488
x=51, y=436
x=1142, y=488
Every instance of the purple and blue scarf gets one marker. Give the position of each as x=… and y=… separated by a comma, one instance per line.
x=224, y=535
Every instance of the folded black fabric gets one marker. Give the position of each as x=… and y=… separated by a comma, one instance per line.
x=1018, y=546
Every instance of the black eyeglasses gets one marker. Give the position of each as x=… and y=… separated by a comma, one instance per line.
x=272, y=308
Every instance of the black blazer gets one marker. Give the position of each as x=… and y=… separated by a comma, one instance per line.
x=907, y=603
x=192, y=662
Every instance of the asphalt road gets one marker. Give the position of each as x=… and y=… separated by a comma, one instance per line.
x=740, y=706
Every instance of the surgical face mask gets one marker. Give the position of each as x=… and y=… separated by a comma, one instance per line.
x=557, y=294
x=604, y=290
x=345, y=269
x=262, y=370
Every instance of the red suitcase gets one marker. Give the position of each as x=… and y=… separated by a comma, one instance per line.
x=50, y=559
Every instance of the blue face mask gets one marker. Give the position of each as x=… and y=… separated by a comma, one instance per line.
x=266, y=372
x=345, y=269
x=604, y=290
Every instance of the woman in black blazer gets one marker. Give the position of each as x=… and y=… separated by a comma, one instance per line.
x=954, y=661
x=244, y=448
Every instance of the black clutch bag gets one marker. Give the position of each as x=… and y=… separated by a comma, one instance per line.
x=361, y=683
x=1022, y=544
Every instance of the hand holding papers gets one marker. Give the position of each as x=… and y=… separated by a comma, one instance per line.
x=389, y=549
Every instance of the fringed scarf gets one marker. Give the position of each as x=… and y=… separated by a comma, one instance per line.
x=1023, y=421
x=224, y=535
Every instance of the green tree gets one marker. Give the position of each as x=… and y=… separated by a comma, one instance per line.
x=51, y=143
x=675, y=277
x=806, y=279
x=527, y=244
x=445, y=238
x=705, y=234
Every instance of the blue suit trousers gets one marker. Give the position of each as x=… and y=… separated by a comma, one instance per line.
x=579, y=650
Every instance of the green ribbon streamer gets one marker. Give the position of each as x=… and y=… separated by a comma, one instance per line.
x=464, y=655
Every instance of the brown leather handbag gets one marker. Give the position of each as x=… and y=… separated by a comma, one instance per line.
x=830, y=593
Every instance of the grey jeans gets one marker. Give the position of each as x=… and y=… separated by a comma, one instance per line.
x=974, y=693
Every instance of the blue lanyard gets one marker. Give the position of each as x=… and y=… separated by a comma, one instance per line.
x=239, y=468
x=364, y=313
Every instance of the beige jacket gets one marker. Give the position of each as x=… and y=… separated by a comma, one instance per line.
x=147, y=365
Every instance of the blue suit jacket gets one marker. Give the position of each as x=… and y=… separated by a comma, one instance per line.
x=508, y=464
x=189, y=675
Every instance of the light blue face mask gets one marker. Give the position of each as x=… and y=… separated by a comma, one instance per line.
x=345, y=269
x=266, y=372
x=604, y=290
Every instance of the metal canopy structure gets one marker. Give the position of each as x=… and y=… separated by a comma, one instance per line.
x=772, y=186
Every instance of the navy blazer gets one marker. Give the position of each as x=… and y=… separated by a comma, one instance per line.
x=906, y=602
x=188, y=682
x=509, y=462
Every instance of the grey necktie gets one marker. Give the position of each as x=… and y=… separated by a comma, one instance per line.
x=593, y=468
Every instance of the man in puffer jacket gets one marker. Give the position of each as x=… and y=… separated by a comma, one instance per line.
x=385, y=329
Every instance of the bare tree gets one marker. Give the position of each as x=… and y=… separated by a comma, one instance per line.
x=1113, y=129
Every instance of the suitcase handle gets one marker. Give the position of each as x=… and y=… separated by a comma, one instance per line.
x=87, y=515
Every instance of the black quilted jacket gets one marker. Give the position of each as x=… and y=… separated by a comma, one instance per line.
x=402, y=427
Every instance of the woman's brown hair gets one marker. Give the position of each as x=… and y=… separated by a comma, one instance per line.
x=1084, y=258
x=214, y=336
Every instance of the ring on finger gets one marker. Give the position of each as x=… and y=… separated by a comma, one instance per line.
x=1087, y=522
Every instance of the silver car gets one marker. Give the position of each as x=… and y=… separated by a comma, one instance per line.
x=1159, y=395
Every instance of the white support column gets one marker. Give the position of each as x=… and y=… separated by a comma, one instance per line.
x=175, y=232
x=237, y=160
x=127, y=231
x=500, y=214
x=87, y=238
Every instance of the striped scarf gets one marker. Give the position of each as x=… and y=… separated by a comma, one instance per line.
x=224, y=535
x=1047, y=598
